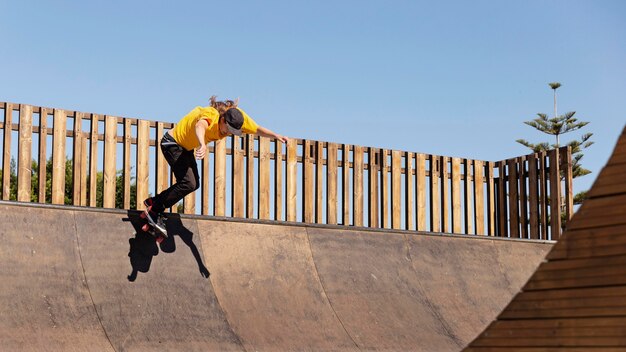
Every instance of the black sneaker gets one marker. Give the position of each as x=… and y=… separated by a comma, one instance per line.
x=156, y=220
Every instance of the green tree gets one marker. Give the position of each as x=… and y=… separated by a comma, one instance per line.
x=557, y=126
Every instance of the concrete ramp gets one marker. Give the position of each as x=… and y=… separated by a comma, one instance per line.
x=90, y=280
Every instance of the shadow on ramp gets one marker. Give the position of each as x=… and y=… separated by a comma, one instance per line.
x=143, y=246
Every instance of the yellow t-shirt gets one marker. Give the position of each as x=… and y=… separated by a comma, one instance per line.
x=185, y=130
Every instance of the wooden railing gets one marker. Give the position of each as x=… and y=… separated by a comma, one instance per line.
x=302, y=181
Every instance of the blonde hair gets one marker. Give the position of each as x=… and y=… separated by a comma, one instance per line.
x=223, y=105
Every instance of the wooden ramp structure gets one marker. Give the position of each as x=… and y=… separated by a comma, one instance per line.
x=577, y=298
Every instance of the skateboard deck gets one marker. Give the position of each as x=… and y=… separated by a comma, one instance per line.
x=151, y=229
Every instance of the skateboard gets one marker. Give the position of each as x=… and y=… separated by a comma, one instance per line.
x=151, y=229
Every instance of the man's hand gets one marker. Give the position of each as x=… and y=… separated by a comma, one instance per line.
x=200, y=152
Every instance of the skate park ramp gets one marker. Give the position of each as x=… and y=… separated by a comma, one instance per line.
x=576, y=300
x=84, y=279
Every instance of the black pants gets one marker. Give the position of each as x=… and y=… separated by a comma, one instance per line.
x=183, y=164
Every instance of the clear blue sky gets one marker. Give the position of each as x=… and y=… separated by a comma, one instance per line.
x=453, y=78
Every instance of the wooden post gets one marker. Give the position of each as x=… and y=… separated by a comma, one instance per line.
x=491, y=206
x=358, y=186
x=331, y=184
x=238, y=203
x=456, y=196
x=264, y=178
x=555, y=194
x=219, y=206
x=543, y=194
x=110, y=151
x=24, y=165
x=162, y=168
x=250, y=176
x=278, y=180
x=345, y=184
x=83, y=171
x=143, y=152
x=373, y=170
x=93, y=160
x=319, y=182
x=128, y=138
x=533, y=195
x=308, y=182
x=42, y=158
x=566, y=160
x=58, y=157
x=396, y=189
x=292, y=174
x=77, y=157
x=435, y=195
x=445, y=194
x=523, y=196
x=502, y=209
x=479, y=198
x=467, y=195
x=6, y=152
x=409, y=192
x=384, y=191
x=420, y=189
x=513, y=199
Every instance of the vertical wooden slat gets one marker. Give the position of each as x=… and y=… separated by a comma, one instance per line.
x=533, y=195
x=83, y=170
x=93, y=160
x=420, y=189
x=445, y=194
x=292, y=174
x=543, y=194
x=479, y=200
x=77, y=152
x=219, y=206
x=491, y=199
x=331, y=184
x=278, y=180
x=456, y=195
x=319, y=182
x=308, y=183
x=6, y=152
x=435, y=195
x=162, y=171
x=502, y=209
x=396, y=190
x=42, y=158
x=143, y=152
x=513, y=199
x=250, y=176
x=566, y=161
x=555, y=194
x=409, y=191
x=205, y=183
x=110, y=151
x=384, y=191
x=24, y=164
x=345, y=184
x=58, y=157
x=264, y=178
x=467, y=196
x=358, y=186
x=238, y=205
x=127, y=167
x=373, y=170
x=523, y=196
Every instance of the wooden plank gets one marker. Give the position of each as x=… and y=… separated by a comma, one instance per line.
x=468, y=197
x=358, y=186
x=308, y=183
x=83, y=170
x=143, y=152
x=523, y=196
x=420, y=189
x=445, y=194
x=435, y=194
x=396, y=189
x=456, y=196
x=77, y=167
x=238, y=185
x=6, y=152
x=567, y=165
x=162, y=168
x=543, y=195
x=533, y=196
x=264, y=178
x=491, y=206
x=25, y=154
x=58, y=157
x=502, y=209
x=373, y=198
x=345, y=184
x=127, y=165
x=250, y=194
x=93, y=160
x=205, y=187
x=513, y=199
x=278, y=180
x=555, y=194
x=219, y=207
x=319, y=182
x=409, y=182
x=479, y=198
x=292, y=174
x=331, y=184
x=384, y=192
x=42, y=156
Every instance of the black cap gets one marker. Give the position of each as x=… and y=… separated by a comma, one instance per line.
x=234, y=120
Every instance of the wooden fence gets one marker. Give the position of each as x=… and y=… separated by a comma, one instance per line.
x=304, y=181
